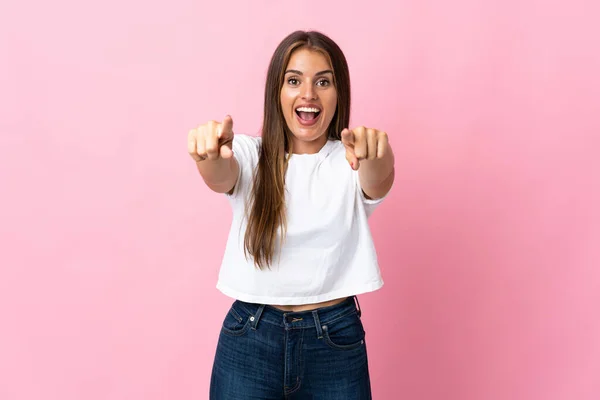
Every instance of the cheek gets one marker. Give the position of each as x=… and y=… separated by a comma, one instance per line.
x=286, y=101
x=332, y=107
x=332, y=101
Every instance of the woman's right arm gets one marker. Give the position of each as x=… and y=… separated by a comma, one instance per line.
x=210, y=145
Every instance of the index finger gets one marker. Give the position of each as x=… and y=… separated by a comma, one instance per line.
x=347, y=137
x=226, y=128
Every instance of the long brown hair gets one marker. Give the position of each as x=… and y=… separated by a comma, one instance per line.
x=267, y=207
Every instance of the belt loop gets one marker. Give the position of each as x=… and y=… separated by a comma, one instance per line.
x=315, y=314
x=358, y=306
x=254, y=318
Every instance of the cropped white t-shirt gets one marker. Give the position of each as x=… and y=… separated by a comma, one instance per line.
x=328, y=252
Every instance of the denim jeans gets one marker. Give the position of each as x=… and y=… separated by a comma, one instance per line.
x=265, y=353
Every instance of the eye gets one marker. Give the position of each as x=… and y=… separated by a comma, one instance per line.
x=323, y=82
x=292, y=81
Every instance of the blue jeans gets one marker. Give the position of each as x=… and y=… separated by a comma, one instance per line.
x=264, y=353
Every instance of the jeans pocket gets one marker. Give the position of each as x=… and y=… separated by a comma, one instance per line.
x=236, y=323
x=345, y=333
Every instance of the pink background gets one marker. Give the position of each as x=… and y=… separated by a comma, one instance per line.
x=489, y=243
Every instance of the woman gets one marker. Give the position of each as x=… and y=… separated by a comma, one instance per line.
x=300, y=248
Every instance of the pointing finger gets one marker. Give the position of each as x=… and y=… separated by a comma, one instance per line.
x=347, y=137
x=226, y=130
x=352, y=160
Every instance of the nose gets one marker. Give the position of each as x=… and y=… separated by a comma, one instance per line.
x=308, y=91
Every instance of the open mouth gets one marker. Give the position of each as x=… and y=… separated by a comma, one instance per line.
x=308, y=115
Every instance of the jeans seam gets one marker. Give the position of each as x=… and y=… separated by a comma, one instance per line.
x=239, y=332
x=355, y=311
x=236, y=315
x=342, y=347
x=298, y=384
x=339, y=317
x=244, y=308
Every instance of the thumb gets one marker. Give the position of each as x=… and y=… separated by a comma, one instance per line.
x=226, y=131
x=225, y=152
x=348, y=142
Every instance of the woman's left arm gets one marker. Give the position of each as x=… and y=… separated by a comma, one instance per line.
x=369, y=153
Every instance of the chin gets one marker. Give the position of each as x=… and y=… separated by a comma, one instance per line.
x=308, y=135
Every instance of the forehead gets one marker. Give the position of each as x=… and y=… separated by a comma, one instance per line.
x=308, y=61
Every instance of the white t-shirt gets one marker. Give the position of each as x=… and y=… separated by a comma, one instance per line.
x=328, y=252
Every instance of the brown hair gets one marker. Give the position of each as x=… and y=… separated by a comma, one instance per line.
x=267, y=213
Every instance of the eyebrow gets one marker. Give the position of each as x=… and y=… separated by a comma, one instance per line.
x=295, y=71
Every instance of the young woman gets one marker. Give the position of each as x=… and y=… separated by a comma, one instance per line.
x=299, y=248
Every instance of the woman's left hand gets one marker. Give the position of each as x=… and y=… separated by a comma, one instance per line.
x=364, y=144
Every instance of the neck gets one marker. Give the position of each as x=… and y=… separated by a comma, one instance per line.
x=309, y=147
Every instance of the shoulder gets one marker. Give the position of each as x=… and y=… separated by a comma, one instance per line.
x=247, y=141
x=246, y=148
x=336, y=152
x=337, y=147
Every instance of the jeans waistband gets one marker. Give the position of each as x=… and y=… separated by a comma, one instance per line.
x=265, y=313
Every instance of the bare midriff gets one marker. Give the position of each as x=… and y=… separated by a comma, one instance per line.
x=309, y=307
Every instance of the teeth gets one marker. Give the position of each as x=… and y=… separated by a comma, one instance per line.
x=308, y=109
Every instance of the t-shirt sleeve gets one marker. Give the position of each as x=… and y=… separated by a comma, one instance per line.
x=245, y=150
x=369, y=204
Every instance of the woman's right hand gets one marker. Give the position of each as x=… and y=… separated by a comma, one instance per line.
x=211, y=141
